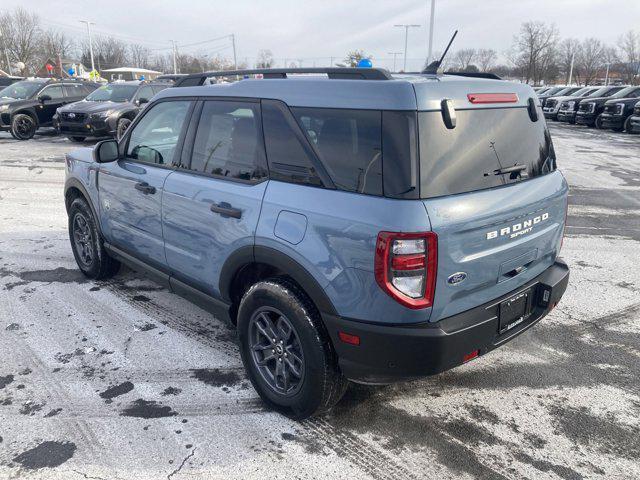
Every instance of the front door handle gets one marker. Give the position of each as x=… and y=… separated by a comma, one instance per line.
x=226, y=210
x=145, y=188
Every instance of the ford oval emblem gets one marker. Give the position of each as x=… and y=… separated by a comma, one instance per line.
x=456, y=278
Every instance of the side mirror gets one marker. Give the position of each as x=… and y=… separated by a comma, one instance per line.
x=142, y=100
x=106, y=151
x=44, y=97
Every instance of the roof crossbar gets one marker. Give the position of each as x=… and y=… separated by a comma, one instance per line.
x=342, y=73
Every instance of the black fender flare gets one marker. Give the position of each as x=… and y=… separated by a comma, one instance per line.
x=31, y=111
x=75, y=183
x=280, y=261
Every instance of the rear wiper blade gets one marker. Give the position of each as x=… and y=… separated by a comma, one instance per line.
x=515, y=169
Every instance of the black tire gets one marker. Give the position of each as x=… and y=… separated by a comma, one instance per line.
x=23, y=126
x=320, y=384
x=77, y=139
x=572, y=121
x=87, y=244
x=627, y=125
x=121, y=127
x=598, y=122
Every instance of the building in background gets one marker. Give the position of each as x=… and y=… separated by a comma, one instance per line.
x=129, y=73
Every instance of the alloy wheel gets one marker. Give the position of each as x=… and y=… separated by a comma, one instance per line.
x=276, y=351
x=83, y=239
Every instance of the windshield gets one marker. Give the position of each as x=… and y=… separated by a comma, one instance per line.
x=21, y=90
x=487, y=148
x=623, y=93
x=579, y=93
x=553, y=90
x=113, y=93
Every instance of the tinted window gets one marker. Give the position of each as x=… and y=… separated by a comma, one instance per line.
x=20, y=90
x=158, y=88
x=228, y=141
x=145, y=92
x=74, y=90
x=399, y=154
x=634, y=94
x=349, y=143
x=468, y=157
x=113, y=93
x=54, y=91
x=289, y=160
x=154, y=138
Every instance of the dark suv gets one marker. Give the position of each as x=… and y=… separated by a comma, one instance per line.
x=634, y=120
x=569, y=106
x=590, y=110
x=617, y=113
x=108, y=111
x=30, y=104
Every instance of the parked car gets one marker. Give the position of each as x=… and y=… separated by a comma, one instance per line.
x=170, y=77
x=6, y=81
x=108, y=111
x=617, y=113
x=634, y=120
x=560, y=90
x=590, y=110
x=552, y=105
x=30, y=104
x=569, y=107
x=302, y=211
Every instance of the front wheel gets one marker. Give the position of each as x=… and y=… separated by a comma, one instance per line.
x=121, y=128
x=23, y=126
x=86, y=243
x=627, y=125
x=598, y=122
x=286, y=351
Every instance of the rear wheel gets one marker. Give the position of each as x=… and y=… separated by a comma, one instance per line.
x=285, y=350
x=86, y=243
x=23, y=126
x=121, y=128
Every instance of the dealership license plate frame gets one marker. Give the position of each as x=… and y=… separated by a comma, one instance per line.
x=515, y=310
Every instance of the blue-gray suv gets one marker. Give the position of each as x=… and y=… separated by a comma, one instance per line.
x=352, y=224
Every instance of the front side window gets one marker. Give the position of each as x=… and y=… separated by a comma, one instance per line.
x=349, y=143
x=228, y=141
x=154, y=138
x=145, y=93
x=54, y=91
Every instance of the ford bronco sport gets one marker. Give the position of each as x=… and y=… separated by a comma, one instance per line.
x=352, y=224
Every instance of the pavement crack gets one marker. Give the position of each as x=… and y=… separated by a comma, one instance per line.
x=89, y=476
x=177, y=470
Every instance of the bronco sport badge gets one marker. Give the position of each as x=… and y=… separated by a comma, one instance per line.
x=518, y=229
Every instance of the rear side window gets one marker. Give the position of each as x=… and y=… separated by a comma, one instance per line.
x=349, y=143
x=228, y=141
x=74, y=90
x=54, y=91
x=289, y=160
x=470, y=156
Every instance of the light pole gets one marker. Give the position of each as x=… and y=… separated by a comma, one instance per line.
x=431, y=20
x=606, y=78
x=573, y=56
x=395, y=54
x=175, y=53
x=235, y=60
x=93, y=66
x=406, y=38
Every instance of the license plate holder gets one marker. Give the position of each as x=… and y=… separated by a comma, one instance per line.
x=514, y=311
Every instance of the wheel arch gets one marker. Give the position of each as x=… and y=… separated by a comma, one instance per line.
x=250, y=264
x=26, y=111
x=73, y=189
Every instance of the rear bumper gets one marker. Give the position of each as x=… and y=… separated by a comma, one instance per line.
x=388, y=354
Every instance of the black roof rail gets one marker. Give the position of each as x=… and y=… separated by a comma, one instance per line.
x=197, y=79
x=488, y=75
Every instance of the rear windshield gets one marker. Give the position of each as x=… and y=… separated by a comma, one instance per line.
x=484, y=142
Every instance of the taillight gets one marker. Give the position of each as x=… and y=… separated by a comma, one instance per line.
x=492, y=97
x=405, y=267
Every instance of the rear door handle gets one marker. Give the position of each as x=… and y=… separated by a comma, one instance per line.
x=145, y=188
x=226, y=210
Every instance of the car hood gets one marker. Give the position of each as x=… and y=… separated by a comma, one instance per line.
x=598, y=100
x=567, y=98
x=9, y=101
x=87, y=106
x=626, y=101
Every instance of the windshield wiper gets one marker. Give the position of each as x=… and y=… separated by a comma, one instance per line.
x=515, y=171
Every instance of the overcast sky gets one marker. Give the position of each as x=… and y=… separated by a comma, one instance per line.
x=311, y=30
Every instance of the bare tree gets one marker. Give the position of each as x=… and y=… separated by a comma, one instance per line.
x=591, y=59
x=534, y=50
x=21, y=34
x=486, y=59
x=139, y=55
x=629, y=48
x=353, y=57
x=463, y=58
x=265, y=59
x=108, y=53
x=569, y=51
x=54, y=43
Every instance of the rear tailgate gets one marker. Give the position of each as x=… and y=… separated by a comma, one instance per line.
x=496, y=231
